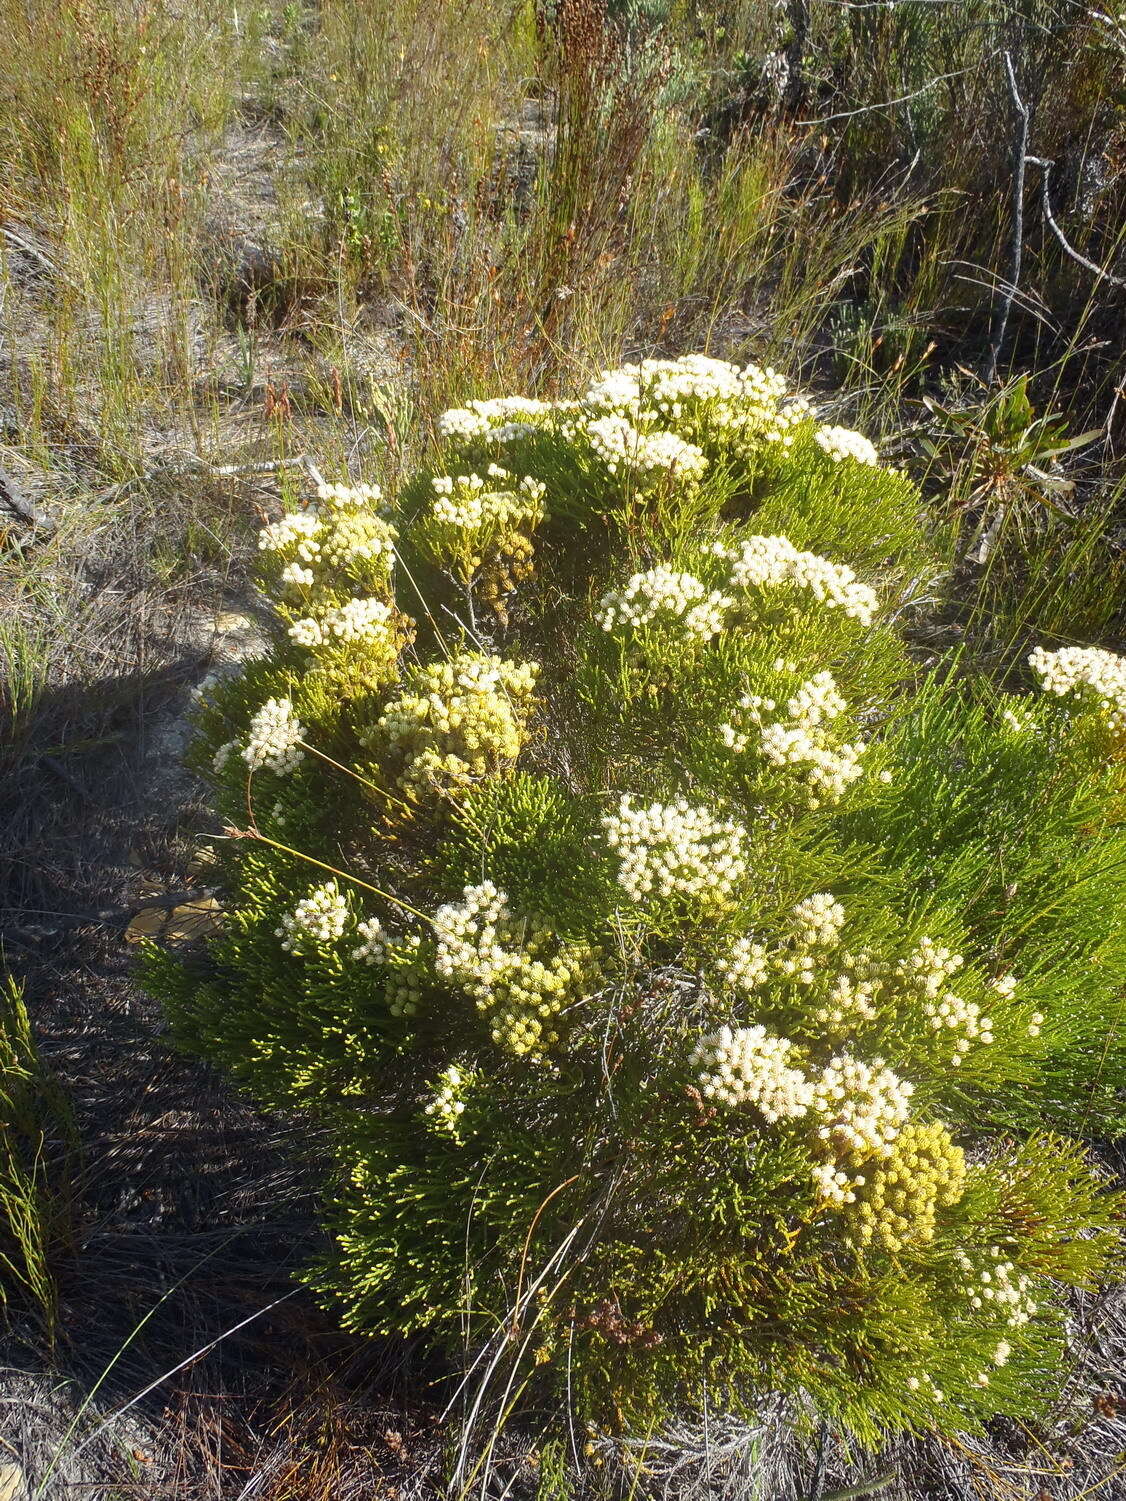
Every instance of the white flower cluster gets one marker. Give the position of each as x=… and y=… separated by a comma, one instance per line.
x=800, y=741
x=223, y=755
x=343, y=534
x=661, y=595
x=649, y=459
x=272, y=742
x=1089, y=670
x=928, y=968
x=675, y=849
x=746, y=1066
x=357, y=536
x=517, y=971
x=1005, y=986
x=1016, y=724
x=374, y=942
x=298, y=532
x=295, y=576
x=447, y=1104
x=816, y=923
x=864, y=1107
x=493, y=501
x=860, y=1108
x=703, y=399
x=913, y=1383
x=458, y=720
x=490, y=419
x=762, y=562
x=999, y=1283
x=835, y=1186
x=853, y=993
x=745, y=966
x=842, y=443
x=818, y=920
x=403, y=960
x=358, y=620
x=321, y=917
x=340, y=497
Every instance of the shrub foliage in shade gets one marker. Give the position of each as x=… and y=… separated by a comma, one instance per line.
x=702, y=997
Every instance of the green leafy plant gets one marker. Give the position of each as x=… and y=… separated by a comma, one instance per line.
x=37, y=1147
x=701, y=998
x=1008, y=454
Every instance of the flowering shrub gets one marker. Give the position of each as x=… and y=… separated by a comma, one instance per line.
x=701, y=998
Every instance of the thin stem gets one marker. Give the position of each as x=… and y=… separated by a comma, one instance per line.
x=285, y=849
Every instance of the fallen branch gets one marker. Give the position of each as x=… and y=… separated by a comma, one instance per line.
x=16, y=502
x=194, y=464
x=1100, y=272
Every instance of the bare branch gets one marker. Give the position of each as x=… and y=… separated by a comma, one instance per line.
x=1100, y=272
x=13, y=497
x=1001, y=321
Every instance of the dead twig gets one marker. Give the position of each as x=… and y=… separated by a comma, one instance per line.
x=13, y=497
x=1099, y=272
x=194, y=464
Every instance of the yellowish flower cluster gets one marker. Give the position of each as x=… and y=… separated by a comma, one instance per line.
x=705, y=400
x=746, y=966
x=763, y=562
x=478, y=529
x=474, y=503
x=860, y=1111
x=367, y=620
x=842, y=443
x=457, y=721
x=357, y=536
x=898, y=1199
x=800, y=742
x=403, y=960
x=297, y=533
x=340, y=497
x=818, y=920
x=517, y=970
x=309, y=547
x=357, y=642
x=1087, y=671
x=273, y=739
x=675, y=850
x=802, y=959
x=746, y=1066
x=319, y=918
x=664, y=596
x=853, y=994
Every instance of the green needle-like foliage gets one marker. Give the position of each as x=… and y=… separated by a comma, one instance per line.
x=701, y=998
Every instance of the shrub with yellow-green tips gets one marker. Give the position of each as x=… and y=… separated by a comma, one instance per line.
x=455, y=722
x=898, y=1204
x=643, y=926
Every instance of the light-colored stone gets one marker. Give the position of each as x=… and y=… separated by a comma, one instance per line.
x=13, y=1487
